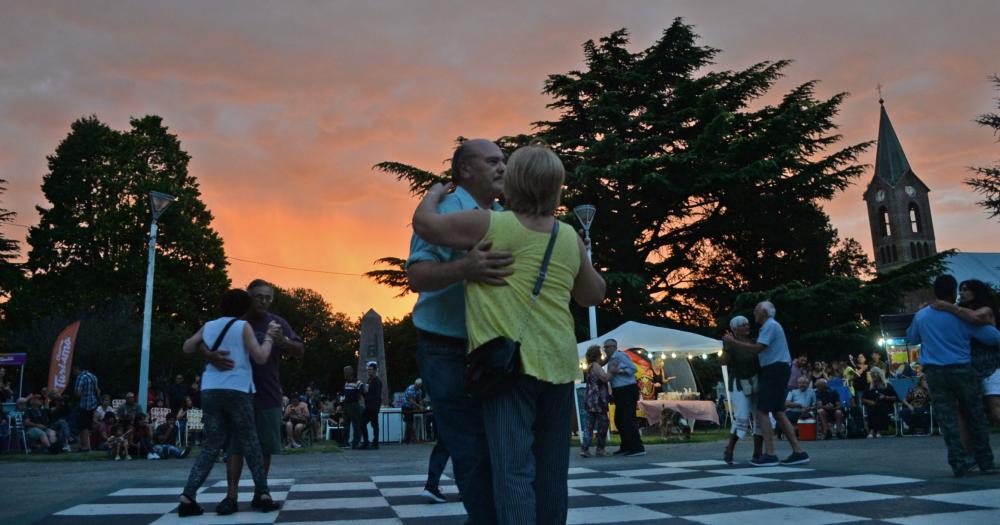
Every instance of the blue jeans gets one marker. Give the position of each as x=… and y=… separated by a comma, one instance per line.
x=167, y=450
x=460, y=422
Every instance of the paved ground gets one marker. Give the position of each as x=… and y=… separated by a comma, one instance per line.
x=890, y=480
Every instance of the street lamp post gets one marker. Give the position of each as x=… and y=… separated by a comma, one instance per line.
x=159, y=202
x=585, y=214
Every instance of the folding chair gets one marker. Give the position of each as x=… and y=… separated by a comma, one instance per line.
x=158, y=416
x=194, y=423
x=17, y=429
x=116, y=404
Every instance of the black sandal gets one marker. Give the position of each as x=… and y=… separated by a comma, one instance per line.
x=264, y=505
x=227, y=506
x=191, y=508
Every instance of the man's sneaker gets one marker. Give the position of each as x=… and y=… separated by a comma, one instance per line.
x=765, y=460
x=152, y=455
x=619, y=452
x=433, y=495
x=797, y=458
x=635, y=453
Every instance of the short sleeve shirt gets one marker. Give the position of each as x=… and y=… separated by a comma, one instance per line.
x=772, y=336
x=806, y=399
x=442, y=312
x=411, y=396
x=624, y=365
x=266, y=378
x=86, y=383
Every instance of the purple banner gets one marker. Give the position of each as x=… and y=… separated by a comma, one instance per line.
x=13, y=359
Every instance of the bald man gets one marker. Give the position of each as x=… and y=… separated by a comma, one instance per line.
x=438, y=274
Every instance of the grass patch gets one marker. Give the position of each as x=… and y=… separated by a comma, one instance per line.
x=321, y=447
x=699, y=436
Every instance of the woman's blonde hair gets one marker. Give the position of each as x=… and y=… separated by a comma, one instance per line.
x=534, y=180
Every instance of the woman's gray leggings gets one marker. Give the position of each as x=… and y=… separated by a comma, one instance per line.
x=227, y=413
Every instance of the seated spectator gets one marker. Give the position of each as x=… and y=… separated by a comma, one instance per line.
x=165, y=440
x=879, y=399
x=103, y=409
x=118, y=442
x=36, y=426
x=59, y=419
x=877, y=362
x=800, y=402
x=103, y=431
x=916, y=411
x=181, y=415
x=335, y=418
x=295, y=418
x=130, y=408
x=140, y=439
x=828, y=408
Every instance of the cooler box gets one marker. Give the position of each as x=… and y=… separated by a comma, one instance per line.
x=807, y=430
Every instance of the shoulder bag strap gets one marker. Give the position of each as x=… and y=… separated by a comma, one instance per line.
x=218, y=340
x=541, y=277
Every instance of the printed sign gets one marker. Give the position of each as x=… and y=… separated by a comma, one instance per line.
x=62, y=358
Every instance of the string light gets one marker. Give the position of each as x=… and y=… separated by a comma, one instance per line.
x=673, y=355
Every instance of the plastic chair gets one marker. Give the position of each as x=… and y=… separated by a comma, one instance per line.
x=116, y=404
x=902, y=427
x=903, y=385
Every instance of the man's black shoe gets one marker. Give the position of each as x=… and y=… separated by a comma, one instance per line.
x=364, y=446
x=374, y=446
x=963, y=468
x=433, y=495
x=619, y=452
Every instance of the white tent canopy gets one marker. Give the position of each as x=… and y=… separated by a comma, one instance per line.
x=654, y=339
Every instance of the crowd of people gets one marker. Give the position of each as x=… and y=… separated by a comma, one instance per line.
x=84, y=417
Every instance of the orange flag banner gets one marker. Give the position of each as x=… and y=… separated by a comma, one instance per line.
x=62, y=358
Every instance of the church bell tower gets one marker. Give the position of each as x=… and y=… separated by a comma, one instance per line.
x=899, y=212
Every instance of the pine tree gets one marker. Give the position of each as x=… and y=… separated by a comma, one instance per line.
x=987, y=179
x=89, y=247
x=10, y=271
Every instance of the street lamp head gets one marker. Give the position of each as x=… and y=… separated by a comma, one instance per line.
x=585, y=214
x=160, y=201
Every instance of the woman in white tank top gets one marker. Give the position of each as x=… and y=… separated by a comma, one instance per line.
x=227, y=402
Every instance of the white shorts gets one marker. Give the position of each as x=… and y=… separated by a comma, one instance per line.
x=743, y=412
x=991, y=385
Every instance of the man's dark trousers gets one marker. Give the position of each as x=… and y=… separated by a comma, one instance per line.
x=957, y=386
x=352, y=418
x=626, y=399
x=459, y=420
x=370, y=418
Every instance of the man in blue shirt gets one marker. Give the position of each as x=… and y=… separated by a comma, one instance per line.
x=946, y=355
x=438, y=274
x=625, y=392
x=775, y=369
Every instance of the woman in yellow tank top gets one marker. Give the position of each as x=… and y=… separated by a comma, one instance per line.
x=527, y=427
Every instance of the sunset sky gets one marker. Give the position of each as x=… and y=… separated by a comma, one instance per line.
x=285, y=106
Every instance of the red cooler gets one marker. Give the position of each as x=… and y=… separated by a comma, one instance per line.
x=807, y=430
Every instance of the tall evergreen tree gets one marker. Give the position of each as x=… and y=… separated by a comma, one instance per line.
x=698, y=195
x=10, y=271
x=89, y=247
x=986, y=182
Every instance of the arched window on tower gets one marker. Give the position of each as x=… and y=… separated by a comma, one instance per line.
x=883, y=217
x=895, y=255
x=913, y=251
x=914, y=218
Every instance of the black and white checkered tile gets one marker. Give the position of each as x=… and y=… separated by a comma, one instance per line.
x=706, y=492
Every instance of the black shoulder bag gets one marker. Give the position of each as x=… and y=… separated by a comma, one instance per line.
x=493, y=366
x=222, y=335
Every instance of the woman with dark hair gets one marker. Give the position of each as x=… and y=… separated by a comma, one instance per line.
x=596, y=404
x=977, y=305
x=227, y=402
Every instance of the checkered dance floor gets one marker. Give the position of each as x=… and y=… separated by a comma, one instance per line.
x=706, y=492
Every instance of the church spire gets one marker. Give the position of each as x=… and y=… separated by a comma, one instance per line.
x=890, y=161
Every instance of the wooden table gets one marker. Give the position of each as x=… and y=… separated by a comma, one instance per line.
x=690, y=410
